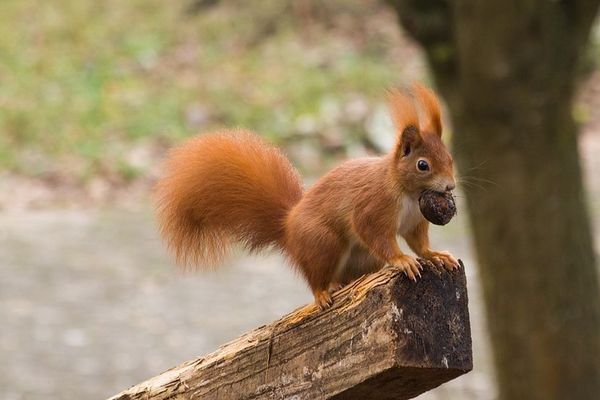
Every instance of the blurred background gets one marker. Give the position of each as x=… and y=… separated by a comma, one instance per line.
x=92, y=94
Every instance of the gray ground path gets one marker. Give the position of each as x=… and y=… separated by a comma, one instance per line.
x=90, y=303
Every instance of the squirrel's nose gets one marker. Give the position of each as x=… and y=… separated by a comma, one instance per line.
x=450, y=187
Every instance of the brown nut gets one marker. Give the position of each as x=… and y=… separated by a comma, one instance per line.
x=438, y=208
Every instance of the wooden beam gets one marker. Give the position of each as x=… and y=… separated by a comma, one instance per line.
x=385, y=337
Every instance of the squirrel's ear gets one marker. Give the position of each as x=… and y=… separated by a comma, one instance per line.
x=406, y=120
x=409, y=140
x=430, y=106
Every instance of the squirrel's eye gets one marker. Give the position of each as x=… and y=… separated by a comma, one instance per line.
x=422, y=165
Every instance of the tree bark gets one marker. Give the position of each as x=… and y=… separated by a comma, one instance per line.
x=508, y=71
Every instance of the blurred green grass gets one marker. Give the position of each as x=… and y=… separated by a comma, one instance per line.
x=81, y=82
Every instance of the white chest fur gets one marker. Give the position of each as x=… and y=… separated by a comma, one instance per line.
x=409, y=215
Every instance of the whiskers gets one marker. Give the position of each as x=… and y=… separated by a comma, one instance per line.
x=469, y=182
x=475, y=182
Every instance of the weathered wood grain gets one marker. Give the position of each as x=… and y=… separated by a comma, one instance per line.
x=385, y=338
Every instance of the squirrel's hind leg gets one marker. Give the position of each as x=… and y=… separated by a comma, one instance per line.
x=318, y=253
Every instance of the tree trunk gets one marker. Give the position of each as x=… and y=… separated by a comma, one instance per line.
x=508, y=70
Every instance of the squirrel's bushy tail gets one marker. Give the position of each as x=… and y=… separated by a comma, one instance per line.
x=221, y=188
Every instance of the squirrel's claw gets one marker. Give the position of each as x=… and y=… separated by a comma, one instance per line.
x=323, y=299
x=425, y=263
x=409, y=265
x=442, y=259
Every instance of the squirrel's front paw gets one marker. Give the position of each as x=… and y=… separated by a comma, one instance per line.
x=409, y=265
x=442, y=259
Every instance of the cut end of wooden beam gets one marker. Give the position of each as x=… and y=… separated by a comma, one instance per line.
x=385, y=337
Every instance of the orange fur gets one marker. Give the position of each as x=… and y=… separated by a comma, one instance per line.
x=233, y=187
x=223, y=187
x=432, y=120
x=404, y=113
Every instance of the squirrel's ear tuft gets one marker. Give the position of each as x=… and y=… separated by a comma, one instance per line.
x=402, y=107
x=406, y=120
x=430, y=107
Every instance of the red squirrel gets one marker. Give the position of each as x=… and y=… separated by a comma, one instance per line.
x=232, y=187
